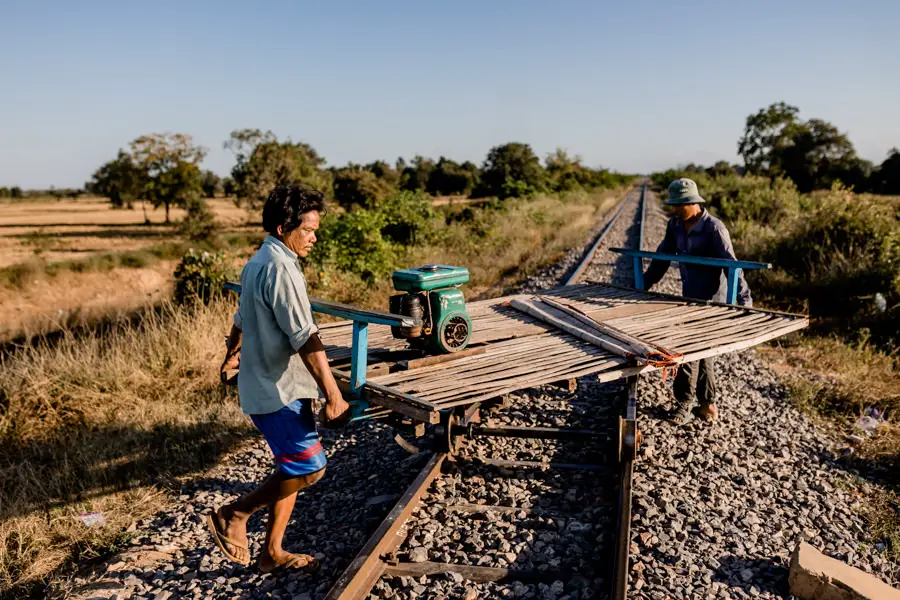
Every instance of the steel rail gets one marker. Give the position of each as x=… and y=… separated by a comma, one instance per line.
x=628, y=439
x=589, y=256
x=361, y=575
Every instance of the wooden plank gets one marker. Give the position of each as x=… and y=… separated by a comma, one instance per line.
x=461, y=379
x=428, y=361
x=712, y=303
x=405, y=404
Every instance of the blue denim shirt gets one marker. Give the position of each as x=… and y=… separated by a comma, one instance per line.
x=708, y=237
x=276, y=320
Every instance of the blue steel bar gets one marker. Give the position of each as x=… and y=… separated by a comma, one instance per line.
x=638, y=273
x=732, y=267
x=359, y=357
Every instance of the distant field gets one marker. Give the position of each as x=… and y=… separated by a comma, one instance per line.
x=53, y=231
x=39, y=233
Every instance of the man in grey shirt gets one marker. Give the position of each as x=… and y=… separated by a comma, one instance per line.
x=283, y=369
x=693, y=231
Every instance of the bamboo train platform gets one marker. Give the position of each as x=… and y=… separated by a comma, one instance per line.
x=510, y=350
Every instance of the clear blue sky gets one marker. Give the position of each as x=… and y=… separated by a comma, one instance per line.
x=634, y=86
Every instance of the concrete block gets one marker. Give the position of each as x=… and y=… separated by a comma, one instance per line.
x=814, y=576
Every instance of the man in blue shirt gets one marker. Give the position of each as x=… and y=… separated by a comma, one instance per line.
x=283, y=369
x=693, y=231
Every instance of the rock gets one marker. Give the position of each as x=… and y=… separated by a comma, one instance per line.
x=746, y=574
x=814, y=576
x=418, y=554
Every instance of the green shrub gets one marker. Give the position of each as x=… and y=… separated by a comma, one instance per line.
x=511, y=170
x=353, y=242
x=838, y=252
x=355, y=187
x=200, y=277
x=407, y=215
x=199, y=223
x=516, y=188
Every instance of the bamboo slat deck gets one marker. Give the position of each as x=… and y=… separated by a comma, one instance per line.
x=523, y=352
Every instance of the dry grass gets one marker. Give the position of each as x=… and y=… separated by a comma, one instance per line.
x=840, y=379
x=102, y=423
x=72, y=300
x=105, y=421
x=835, y=382
x=75, y=229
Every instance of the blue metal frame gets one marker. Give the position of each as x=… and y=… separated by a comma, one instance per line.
x=732, y=266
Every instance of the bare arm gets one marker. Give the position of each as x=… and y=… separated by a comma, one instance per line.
x=337, y=411
x=232, y=353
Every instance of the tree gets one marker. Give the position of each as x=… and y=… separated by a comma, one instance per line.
x=264, y=163
x=766, y=134
x=814, y=153
x=170, y=162
x=228, y=186
x=449, y=178
x=211, y=184
x=120, y=180
x=358, y=187
x=512, y=166
x=565, y=173
x=887, y=176
x=720, y=168
x=415, y=175
x=385, y=172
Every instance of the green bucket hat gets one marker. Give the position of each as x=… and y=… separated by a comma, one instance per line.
x=684, y=191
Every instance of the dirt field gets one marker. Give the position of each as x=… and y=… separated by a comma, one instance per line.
x=55, y=231
x=50, y=231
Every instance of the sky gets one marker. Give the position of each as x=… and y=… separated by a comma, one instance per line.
x=631, y=86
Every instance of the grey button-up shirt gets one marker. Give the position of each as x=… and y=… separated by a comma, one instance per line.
x=708, y=237
x=276, y=320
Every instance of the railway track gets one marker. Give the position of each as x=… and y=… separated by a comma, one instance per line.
x=529, y=497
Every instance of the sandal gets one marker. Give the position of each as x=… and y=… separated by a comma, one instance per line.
x=294, y=562
x=212, y=521
x=681, y=415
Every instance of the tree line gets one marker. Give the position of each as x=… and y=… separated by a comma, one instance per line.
x=814, y=154
x=164, y=169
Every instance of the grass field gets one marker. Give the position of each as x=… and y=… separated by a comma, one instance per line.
x=70, y=262
x=66, y=230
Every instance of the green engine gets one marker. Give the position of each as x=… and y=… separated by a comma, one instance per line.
x=436, y=304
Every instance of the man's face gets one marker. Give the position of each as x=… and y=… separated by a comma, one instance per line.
x=301, y=239
x=686, y=211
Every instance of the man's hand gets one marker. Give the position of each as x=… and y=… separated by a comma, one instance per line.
x=229, y=369
x=335, y=413
x=231, y=364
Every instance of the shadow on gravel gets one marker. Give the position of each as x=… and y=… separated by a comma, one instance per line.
x=84, y=464
x=749, y=578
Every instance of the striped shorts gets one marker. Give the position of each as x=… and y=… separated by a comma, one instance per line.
x=292, y=437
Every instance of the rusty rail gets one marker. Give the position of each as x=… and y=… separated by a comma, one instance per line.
x=589, y=255
x=364, y=571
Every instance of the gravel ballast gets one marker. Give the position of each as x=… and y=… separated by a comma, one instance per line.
x=717, y=508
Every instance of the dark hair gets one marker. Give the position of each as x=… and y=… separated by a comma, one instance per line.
x=286, y=205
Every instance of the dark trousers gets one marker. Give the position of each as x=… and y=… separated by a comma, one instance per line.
x=695, y=379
